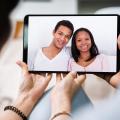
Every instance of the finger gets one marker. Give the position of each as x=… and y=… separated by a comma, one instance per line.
x=43, y=74
x=48, y=77
x=115, y=80
x=64, y=74
x=33, y=77
x=43, y=81
x=118, y=41
x=118, y=74
x=105, y=76
x=58, y=77
x=23, y=66
x=80, y=79
x=39, y=79
x=70, y=76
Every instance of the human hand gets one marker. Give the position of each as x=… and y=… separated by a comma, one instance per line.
x=31, y=89
x=118, y=41
x=115, y=80
x=64, y=90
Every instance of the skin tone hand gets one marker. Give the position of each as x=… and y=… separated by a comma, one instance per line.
x=31, y=91
x=115, y=80
x=63, y=92
x=118, y=41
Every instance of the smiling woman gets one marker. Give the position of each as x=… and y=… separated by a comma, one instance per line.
x=85, y=53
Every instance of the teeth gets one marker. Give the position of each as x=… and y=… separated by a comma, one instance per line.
x=83, y=47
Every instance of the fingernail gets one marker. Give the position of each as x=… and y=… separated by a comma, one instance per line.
x=18, y=62
x=74, y=72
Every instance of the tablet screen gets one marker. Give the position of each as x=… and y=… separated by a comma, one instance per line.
x=63, y=43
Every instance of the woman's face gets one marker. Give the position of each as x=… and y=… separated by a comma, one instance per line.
x=83, y=41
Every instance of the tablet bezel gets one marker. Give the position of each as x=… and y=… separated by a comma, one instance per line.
x=25, y=40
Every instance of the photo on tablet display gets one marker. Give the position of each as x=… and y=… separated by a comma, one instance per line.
x=63, y=43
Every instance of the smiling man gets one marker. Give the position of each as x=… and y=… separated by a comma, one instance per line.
x=55, y=57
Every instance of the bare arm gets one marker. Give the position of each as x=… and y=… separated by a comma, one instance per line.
x=31, y=91
x=62, y=94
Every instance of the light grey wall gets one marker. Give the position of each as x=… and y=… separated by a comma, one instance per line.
x=91, y=6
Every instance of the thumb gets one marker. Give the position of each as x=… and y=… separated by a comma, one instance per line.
x=23, y=66
x=70, y=76
x=80, y=79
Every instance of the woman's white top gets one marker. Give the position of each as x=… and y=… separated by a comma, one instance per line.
x=100, y=64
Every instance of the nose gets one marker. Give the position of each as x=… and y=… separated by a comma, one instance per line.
x=63, y=38
x=83, y=42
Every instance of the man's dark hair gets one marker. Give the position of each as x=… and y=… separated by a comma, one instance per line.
x=76, y=53
x=65, y=23
x=6, y=6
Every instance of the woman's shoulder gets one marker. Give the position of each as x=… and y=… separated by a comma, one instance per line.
x=102, y=56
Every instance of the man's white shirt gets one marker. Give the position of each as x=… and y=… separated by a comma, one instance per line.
x=58, y=63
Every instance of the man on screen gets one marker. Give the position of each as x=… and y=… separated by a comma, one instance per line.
x=55, y=57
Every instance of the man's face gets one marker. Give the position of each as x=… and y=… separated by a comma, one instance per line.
x=61, y=36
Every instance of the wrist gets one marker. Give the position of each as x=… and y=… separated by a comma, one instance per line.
x=24, y=103
x=60, y=104
x=61, y=115
x=17, y=111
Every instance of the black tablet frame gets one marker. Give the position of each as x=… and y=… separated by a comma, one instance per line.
x=25, y=40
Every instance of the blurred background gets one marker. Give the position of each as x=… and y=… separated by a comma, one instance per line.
x=12, y=50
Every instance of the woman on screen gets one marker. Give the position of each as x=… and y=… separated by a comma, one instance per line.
x=85, y=54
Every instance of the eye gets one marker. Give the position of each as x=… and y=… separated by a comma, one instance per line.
x=79, y=40
x=67, y=37
x=60, y=33
x=87, y=39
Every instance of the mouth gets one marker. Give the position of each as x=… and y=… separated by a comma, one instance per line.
x=84, y=47
x=60, y=43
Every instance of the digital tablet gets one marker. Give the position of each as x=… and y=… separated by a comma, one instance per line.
x=63, y=43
